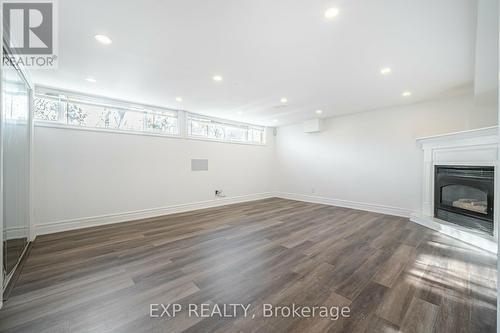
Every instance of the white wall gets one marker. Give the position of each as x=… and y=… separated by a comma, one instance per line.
x=371, y=157
x=84, y=174
x=486, y=50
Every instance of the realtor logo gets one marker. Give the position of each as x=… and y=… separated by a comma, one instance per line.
x=30, y=33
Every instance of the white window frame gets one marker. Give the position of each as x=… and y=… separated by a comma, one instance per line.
x=223, y=122
x=182, y=117
x=68, y=97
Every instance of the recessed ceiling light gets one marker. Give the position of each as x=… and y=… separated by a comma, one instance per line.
x=103, y=39
x=319, y=111
x=91, y=80
x=239, y=113
x=178, y=99
x=284, y=100
x=385, y=71
x=275, y=120
x=406, y=93
x=331, y=12
x=217, y=78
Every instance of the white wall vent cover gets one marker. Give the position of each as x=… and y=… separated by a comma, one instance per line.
x=312, y=126
x=199, y=165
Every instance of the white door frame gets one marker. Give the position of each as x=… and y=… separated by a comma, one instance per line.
x=25, y=75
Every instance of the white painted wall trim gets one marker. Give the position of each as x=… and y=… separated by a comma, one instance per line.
x=18, y=232
x=85, y=222
x=395, y=211
x=483, y=135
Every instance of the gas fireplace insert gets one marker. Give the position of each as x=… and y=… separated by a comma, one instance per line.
x=463, y=195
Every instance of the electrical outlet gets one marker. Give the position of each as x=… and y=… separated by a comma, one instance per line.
x=218, y=193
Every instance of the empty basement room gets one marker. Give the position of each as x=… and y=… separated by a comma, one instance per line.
x=249, y=166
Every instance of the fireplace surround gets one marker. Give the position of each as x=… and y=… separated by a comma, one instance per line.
x=458, y=174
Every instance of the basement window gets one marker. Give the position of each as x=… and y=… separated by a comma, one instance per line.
x=99, y=113
x=204, y=127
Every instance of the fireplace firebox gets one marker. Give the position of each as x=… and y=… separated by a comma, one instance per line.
x=463, y=195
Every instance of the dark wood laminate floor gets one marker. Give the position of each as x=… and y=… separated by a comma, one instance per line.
x=394, y=275
x=14, y=249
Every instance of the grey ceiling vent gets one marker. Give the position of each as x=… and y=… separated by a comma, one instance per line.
x=199, y=165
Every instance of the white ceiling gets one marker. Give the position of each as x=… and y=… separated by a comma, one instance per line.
x=265, y=50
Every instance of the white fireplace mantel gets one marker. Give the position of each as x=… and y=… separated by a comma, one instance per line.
x=475, y=147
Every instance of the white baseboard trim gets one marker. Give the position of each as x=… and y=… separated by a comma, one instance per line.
x=347, y=204
x=79, y=223
x=17, y=232
x=467, y=236
x=85, y=222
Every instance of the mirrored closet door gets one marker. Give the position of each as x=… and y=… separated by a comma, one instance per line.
x=16, y=160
